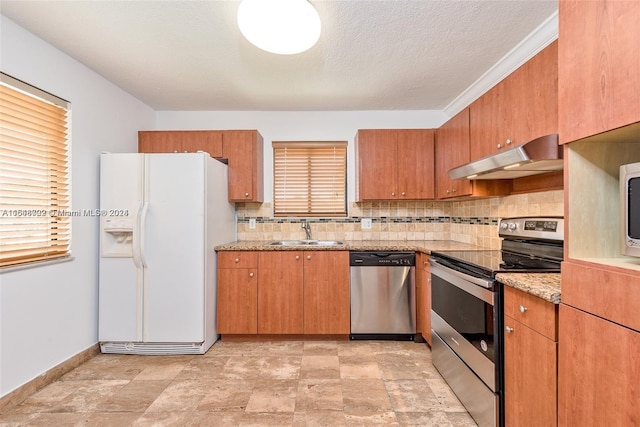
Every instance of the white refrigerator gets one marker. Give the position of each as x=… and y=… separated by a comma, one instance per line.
x=160, y=217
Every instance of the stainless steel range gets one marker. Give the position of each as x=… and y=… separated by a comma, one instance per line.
x=467, y=309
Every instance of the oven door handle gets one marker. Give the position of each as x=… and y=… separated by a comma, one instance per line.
x=477, y=287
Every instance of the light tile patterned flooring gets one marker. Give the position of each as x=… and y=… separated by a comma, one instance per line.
x=328, y=383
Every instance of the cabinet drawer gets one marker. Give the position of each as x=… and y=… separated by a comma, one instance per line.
x=534, y=312
x=239, y=259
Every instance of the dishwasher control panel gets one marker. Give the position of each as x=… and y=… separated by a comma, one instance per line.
x=382, y=259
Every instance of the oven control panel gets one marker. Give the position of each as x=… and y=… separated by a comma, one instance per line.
x=549, y=228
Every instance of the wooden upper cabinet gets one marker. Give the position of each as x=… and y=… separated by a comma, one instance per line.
x=395, y=164
x=416, y=164
x=522, y=107
x=452, y=150
x=599, y=66
x=244, y=151
x=189, y=141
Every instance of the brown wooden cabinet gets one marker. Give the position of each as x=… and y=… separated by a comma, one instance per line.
x=522, y=107
x=237, y=293
x=452, y=150
x=395, y=164
x=280, y=291
x=244, y=151
x=326, y=292
x=183, y=141
x=423, y=296
x=283, y=292
x=599, y=66
x=599, y=371
x=530, y=358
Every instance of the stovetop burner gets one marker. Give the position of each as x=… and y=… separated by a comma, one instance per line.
x=529, y=245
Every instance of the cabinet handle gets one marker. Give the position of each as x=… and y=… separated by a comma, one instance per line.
x=508, y=329
x=403, y=193
x=393, y=194
x=237, y=260
x=246, y=194
x=454, y=190
x=297, y=256
x=308, y=256
x=250, y=274
x=522, y=309
x=508, y=141
x=448, y=191
x=499, y=146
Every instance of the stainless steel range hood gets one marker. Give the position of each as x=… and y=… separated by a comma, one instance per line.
x=541, y=155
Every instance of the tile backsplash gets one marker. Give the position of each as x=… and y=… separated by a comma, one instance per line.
x=470, y=221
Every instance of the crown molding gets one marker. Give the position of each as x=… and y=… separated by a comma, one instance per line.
x=539, y=38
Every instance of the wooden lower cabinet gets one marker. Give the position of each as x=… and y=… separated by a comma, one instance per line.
x=530, y=360
x=280, y=291
x=599, y=371
x=423, y=296
x=326, y=292
x=530, y=385
x=237, y=293
x=287, y=293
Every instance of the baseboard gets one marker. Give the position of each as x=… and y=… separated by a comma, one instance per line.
x=18, y=395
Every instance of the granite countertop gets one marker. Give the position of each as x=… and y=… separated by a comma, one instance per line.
x=425, y=246
x=541, y=285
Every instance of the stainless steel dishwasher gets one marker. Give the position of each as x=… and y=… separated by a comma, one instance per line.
x=383, y=302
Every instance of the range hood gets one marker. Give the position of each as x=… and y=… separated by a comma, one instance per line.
x=541, y=155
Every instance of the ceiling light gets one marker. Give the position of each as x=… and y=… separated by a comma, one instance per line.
x=284, y=27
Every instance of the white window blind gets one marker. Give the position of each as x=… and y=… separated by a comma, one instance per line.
x=34, y=184
x=310, y=178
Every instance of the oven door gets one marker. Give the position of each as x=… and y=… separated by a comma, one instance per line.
x=465, y=317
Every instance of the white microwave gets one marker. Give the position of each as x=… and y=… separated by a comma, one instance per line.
x=630, y=208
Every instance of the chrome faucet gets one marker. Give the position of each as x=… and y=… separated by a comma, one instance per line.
x=307, y=229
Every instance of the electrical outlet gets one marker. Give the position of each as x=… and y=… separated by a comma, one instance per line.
x=252, y=223
x=366, y=223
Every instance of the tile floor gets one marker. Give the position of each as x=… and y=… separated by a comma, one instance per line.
x=328, y=383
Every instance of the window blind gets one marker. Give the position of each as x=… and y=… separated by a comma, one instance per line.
x=34, y=183
x=310, y=178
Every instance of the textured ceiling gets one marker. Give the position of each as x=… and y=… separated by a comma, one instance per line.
x=372, y=55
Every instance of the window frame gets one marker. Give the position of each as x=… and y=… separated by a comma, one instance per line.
x=35, y=192
x=324, y=178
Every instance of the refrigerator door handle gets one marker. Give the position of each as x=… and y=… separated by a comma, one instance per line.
x=136, y=239
x=143, y=226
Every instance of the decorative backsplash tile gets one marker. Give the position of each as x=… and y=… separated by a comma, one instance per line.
x=469, y=221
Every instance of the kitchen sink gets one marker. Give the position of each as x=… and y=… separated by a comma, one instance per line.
x=306, y=243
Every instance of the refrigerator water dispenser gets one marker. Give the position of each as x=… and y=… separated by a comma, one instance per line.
x=117, y=238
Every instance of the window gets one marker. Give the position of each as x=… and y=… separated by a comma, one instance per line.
x=310, y=178
x=34, y=183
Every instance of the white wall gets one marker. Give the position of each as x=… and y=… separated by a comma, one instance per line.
x=50, y=313
x=301, y=126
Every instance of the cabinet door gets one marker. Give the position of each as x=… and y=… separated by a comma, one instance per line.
x=423, y=296
x=159, y=142
x=280, y=292
x=237, y=301
x=530, y=381
x=243, y=150
x=326, y=292
x=376, y=154
x=599, y=371
x=533, y=98
x=415, y=164
x=487, y=122
x=599, y=66
x=452, y=150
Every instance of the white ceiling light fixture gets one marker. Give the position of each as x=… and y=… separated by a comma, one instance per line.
x=284, y=27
